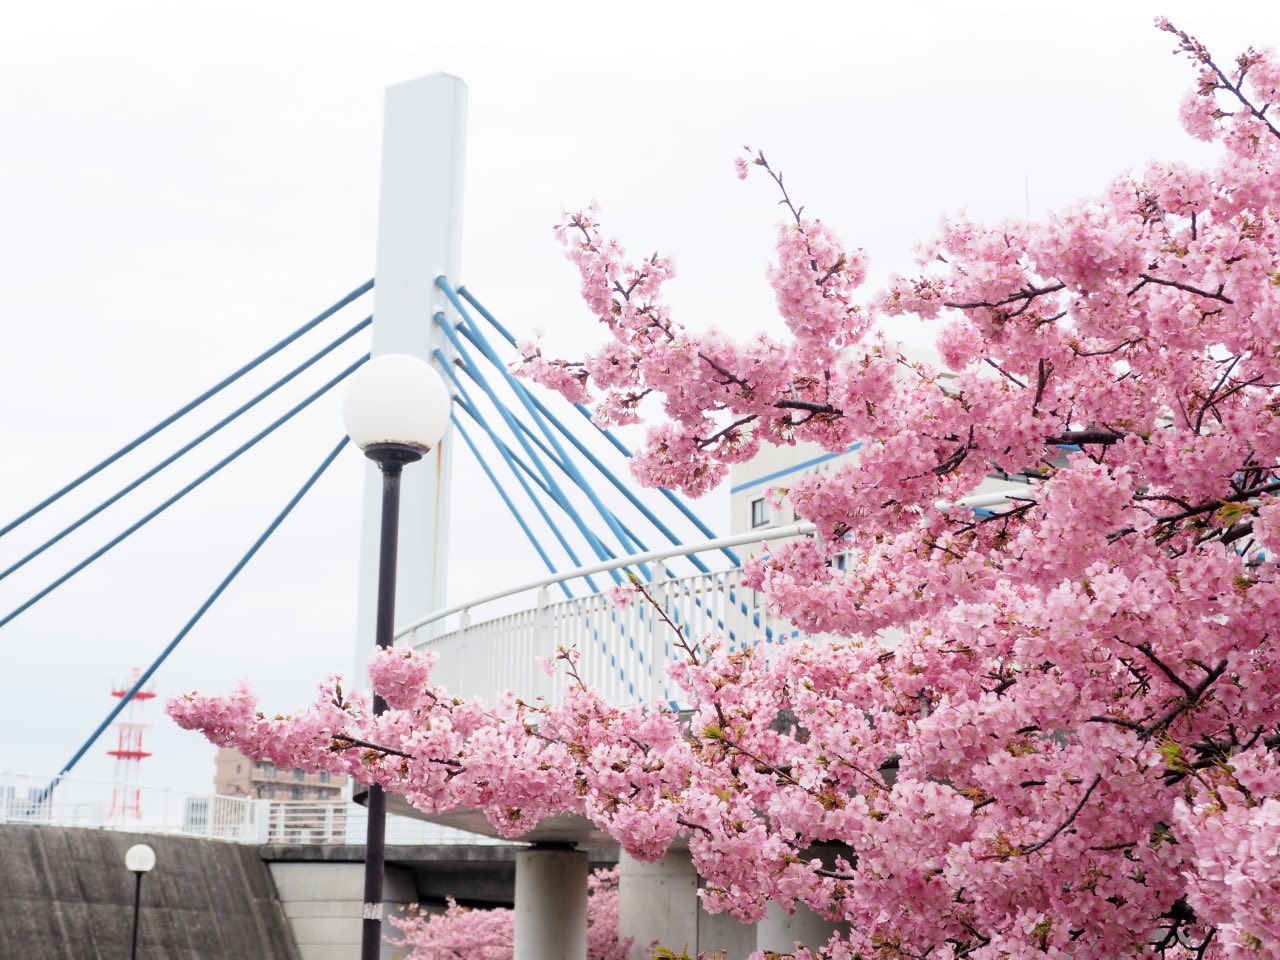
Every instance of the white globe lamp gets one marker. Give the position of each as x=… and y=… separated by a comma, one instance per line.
x=140, y=858
x=396, y=407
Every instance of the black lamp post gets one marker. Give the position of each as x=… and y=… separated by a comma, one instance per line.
x=396, y=408
x=140, y=859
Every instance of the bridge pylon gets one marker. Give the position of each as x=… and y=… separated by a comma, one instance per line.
x=419, y=239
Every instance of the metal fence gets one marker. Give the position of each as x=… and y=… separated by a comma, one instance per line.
x=101, y=804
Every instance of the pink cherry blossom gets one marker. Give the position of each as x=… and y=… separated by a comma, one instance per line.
x=1048, y=729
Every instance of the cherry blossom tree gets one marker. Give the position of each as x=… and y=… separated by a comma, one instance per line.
x=1071, y=747
x=465, y=934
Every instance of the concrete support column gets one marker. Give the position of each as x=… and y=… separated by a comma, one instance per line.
x=781, y=931
x=658, y=903
x=551, y=903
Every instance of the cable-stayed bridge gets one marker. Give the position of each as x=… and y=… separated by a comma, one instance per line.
x=563, y=481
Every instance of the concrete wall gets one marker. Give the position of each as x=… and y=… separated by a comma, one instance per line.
x=66, y=895
x=323, y=903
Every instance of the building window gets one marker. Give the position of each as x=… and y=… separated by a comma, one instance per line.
x=324, y=776
x=295, y=793
x=759, y=513
x=298, y=774
x=270, y=770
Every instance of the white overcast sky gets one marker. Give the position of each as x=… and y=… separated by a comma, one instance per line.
x=183, y=183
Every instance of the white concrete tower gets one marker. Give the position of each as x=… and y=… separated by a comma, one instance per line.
x=419, y=239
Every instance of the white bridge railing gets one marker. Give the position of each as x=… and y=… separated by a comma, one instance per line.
x=625, y=650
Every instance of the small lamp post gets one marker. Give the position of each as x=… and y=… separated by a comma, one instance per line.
x=396, y=408
x=140, y=859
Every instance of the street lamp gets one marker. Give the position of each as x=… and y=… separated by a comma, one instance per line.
x=140, y=859
x=396, y=408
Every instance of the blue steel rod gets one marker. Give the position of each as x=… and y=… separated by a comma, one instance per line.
x=187, y=448
x=515, y=460
x=636, y=544
x=482, y=344
x=556, y=495
x=631, y=534
x=509, y=456
x=467, y=404
x=601, y=551
x=443, y=283
x=529, y=472
x=511, y=507
x=473, y=411
x=465, y=401
x=680, y=504
x=617, y=444
x=173, y=644
x=180, y=494
x=183, y=411
x=603, y=470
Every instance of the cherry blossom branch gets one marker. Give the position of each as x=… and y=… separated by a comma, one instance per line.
x=1041, y=844
x=350, y=741
x=1200, y=53
x=1185, y=287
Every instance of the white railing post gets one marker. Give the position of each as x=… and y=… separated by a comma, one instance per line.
x=544, y=646
x=654, y=655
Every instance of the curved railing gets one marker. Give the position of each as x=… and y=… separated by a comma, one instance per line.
x=625, y=651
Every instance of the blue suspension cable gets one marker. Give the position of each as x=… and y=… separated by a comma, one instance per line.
x=617, y=444
x=482, y=344
x=555, y=494
x=148, y=434
x=464, y=328
x=604, y=471
x=551, y=567
x=512, y=456
x=180, y=494
x=468, y=405
x=493, y=321
x=608, y=474
x=306, y=364
x=602, y=552
x=173, y=644
x=684, y=509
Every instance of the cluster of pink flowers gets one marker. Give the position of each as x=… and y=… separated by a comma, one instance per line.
x=460, y=933
x=1072, y=746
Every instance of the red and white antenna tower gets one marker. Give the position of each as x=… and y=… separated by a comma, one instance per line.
x=126, y=797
